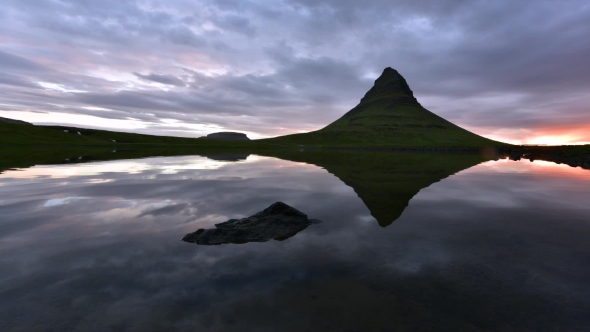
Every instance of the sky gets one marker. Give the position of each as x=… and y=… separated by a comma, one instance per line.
x=515, y=71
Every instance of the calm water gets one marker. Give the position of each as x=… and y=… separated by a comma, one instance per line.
x=498, y=246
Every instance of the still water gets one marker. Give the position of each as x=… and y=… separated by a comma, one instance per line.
x=407, y=243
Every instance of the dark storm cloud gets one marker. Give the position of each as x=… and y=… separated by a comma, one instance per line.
x=482, y=64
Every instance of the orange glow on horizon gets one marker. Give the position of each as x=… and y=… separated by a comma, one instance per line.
x=547, y=135
x=540, y=168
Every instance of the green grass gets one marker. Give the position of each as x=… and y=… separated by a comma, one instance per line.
x=378, y=123
x=29, y=134
x=384, y=138
x=11, y=133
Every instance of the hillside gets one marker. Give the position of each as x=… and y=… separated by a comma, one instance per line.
x=389, y=115
x=24, y=133
x=12, y=121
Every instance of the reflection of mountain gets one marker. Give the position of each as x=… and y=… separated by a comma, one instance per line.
x=385, y=182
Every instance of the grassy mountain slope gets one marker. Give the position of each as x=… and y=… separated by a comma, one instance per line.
x=7, y=120
x=389, y=115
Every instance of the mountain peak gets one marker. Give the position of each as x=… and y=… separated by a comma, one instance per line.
x=390, y=83
x=390, y=115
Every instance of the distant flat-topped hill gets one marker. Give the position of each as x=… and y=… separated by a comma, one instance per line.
x=227, y=136
x=390, y=115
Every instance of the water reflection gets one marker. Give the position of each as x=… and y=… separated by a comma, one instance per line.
x=386, y=182
x=501, y=246
x=229, y=156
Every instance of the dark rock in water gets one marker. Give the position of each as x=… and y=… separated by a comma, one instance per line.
x=278, y=221
x=228, y=136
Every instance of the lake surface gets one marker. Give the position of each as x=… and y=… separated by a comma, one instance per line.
x=407, y=243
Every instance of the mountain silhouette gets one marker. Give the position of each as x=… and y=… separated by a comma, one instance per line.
x=390, y=115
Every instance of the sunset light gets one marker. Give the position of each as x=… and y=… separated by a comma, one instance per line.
x=211, y=68
x=294, y=165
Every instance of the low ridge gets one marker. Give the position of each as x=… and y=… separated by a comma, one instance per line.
x=13, y=121
x=390, y=115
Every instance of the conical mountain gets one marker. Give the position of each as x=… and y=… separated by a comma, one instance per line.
x=390, y=91
x=390, y=115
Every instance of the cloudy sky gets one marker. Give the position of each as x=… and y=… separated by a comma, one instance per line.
x=516, y=71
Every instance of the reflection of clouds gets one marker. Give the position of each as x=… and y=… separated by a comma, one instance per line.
x=58, y=201
x=519, y=184
x=138, y=166
x=116, y=192
x=538, y=167
x=165, y=210
x=105, y=252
